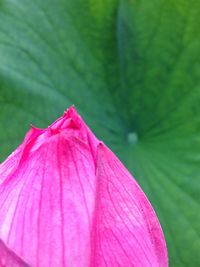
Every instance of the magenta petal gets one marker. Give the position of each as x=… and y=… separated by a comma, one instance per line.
x=9, y=259
x=67, y=201
x=126, y=230
x=46, y=209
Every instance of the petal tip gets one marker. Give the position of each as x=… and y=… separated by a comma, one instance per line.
x=71, y=112
x=101, y=145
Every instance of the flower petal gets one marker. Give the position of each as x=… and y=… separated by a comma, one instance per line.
x=9, y=259
x=46, y=208
x=126, y=229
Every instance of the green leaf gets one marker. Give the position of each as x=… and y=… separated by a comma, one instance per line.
x=132, y=68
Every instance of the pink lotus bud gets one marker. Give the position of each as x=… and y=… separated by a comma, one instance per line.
x=67, y=201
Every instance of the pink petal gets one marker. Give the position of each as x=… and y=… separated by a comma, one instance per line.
x=9, y=259
x=126, y=229
x=46, y=209
x=66, y=201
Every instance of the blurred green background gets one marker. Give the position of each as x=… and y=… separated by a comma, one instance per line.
x=132, y=69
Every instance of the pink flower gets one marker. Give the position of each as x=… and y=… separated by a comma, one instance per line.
x=67, y=201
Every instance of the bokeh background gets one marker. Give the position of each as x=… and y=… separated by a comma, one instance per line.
x=132, y=69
